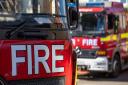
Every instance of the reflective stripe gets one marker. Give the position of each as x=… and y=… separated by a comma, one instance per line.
x=114, y=37
x=124, y=35
x=109, y=38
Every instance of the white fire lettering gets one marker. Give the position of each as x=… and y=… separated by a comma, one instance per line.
x=42, y=59
x=38, y=59
x=57, y=58
x=73, y=42
x=15, y=59
x=89, y=42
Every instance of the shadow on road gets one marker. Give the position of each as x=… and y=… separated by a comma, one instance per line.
x=122, y=78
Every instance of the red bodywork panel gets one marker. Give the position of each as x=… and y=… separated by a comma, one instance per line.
x=28, y=59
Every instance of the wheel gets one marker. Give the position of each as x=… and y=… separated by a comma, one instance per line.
x=116, y=67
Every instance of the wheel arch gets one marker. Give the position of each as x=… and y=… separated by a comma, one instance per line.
x=116, y=52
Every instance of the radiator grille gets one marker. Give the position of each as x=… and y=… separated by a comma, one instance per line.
x=88, y=54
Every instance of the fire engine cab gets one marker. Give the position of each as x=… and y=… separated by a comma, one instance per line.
x=35, y=44
x=101, y=39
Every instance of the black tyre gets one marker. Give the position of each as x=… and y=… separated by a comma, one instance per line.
x=116, y=67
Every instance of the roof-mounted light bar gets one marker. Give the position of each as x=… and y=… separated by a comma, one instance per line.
x=95, y=4
x=100, y=4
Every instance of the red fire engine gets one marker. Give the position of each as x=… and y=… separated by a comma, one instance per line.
x=101, y=40
x=35, y=44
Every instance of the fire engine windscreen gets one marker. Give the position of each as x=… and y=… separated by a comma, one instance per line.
x=56, y=8
x=92, y=22
x=29, y=6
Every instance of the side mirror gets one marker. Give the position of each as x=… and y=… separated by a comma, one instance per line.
x=73, y=15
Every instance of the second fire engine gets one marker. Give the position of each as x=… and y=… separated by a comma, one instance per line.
x=101, y=40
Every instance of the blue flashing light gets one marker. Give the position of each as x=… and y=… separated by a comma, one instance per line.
x=95, y=4
x=71, y=5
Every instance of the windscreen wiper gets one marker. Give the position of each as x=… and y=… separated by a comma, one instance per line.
x=12, y=32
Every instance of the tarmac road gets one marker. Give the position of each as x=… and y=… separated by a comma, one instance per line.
x=100, y=80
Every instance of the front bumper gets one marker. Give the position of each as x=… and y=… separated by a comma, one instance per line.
x=99, y=64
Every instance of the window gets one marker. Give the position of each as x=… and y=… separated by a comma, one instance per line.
x=91, y=0
x=33, y=6
x=124, y=21
x=54, y=10
x=124, y=1
x=110, y=21
x=99, y=0
x=116, y=23
x=92, y=21
x=113, y=22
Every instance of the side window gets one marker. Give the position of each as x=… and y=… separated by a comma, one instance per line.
x=120, y=21
x=124, y=22
x=116, y=23
x=91, y=0
x=111, y=18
